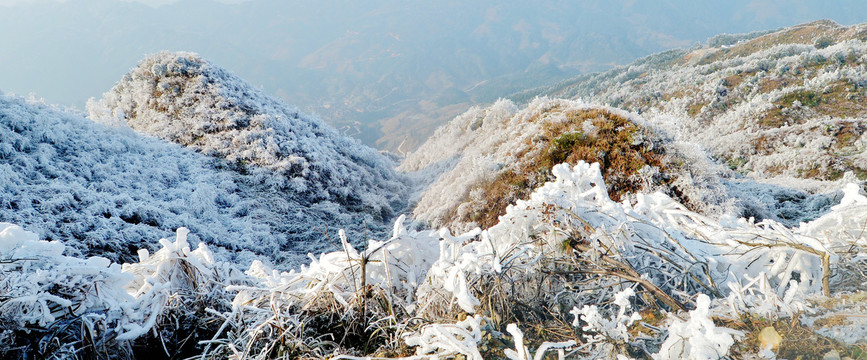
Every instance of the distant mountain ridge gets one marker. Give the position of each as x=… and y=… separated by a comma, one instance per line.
x=387, y=72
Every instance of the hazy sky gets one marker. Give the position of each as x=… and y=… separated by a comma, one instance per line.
x=362, y=61
x=154, y=3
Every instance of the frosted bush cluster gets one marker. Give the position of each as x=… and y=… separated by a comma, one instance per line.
x=66, y=303
x=423, y=273
x=697, y=337
x=39, y=283
x=112, y=190
x=184, y=99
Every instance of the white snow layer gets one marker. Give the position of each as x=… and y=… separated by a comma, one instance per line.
x=423, y=268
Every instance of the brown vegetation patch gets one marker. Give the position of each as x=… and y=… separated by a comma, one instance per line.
x=621, y=147
x=833, y=320
x=846, y=133
x=764, y=144
x=785, y=111
x=842, y=99
x=768, y=84
x=694, y=109
x=799, y=341
x=734, y=80
x=679, y=93
x=776, y=118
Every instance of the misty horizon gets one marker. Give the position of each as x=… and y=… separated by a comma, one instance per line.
x=386, y=72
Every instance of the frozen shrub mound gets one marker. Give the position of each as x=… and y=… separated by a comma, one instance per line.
x=107, y=191
x=487, y=158
x=185, y=99
x=48, y=283
x=496, y=155
x=59, y=306
x=45, y=292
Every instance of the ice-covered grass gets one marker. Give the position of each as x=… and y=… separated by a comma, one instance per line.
x=57, y=306
x=567, y=247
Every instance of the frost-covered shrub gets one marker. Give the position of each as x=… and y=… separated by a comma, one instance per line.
x=53, y=303
x=697, y=338
x=731, y=39
x=178, y=291
x=113, y=191
x=57, y=305
x=497, y=155
x=183, y=98
x=347, y=293
x=608, y=333
x=442, y=340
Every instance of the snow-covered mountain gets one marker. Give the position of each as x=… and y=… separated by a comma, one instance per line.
x=182, y=98
x=749, y=124
x=785, y=104
x=256, y=177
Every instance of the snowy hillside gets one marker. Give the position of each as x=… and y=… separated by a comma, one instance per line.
x=182, y=98
x=784, y=104
x=107, y=190
x=492, y=156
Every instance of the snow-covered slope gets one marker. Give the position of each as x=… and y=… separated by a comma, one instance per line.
x=182, y=98
x=487, y=158
x=108, y=191
x=785, y=104
x=496, y=155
